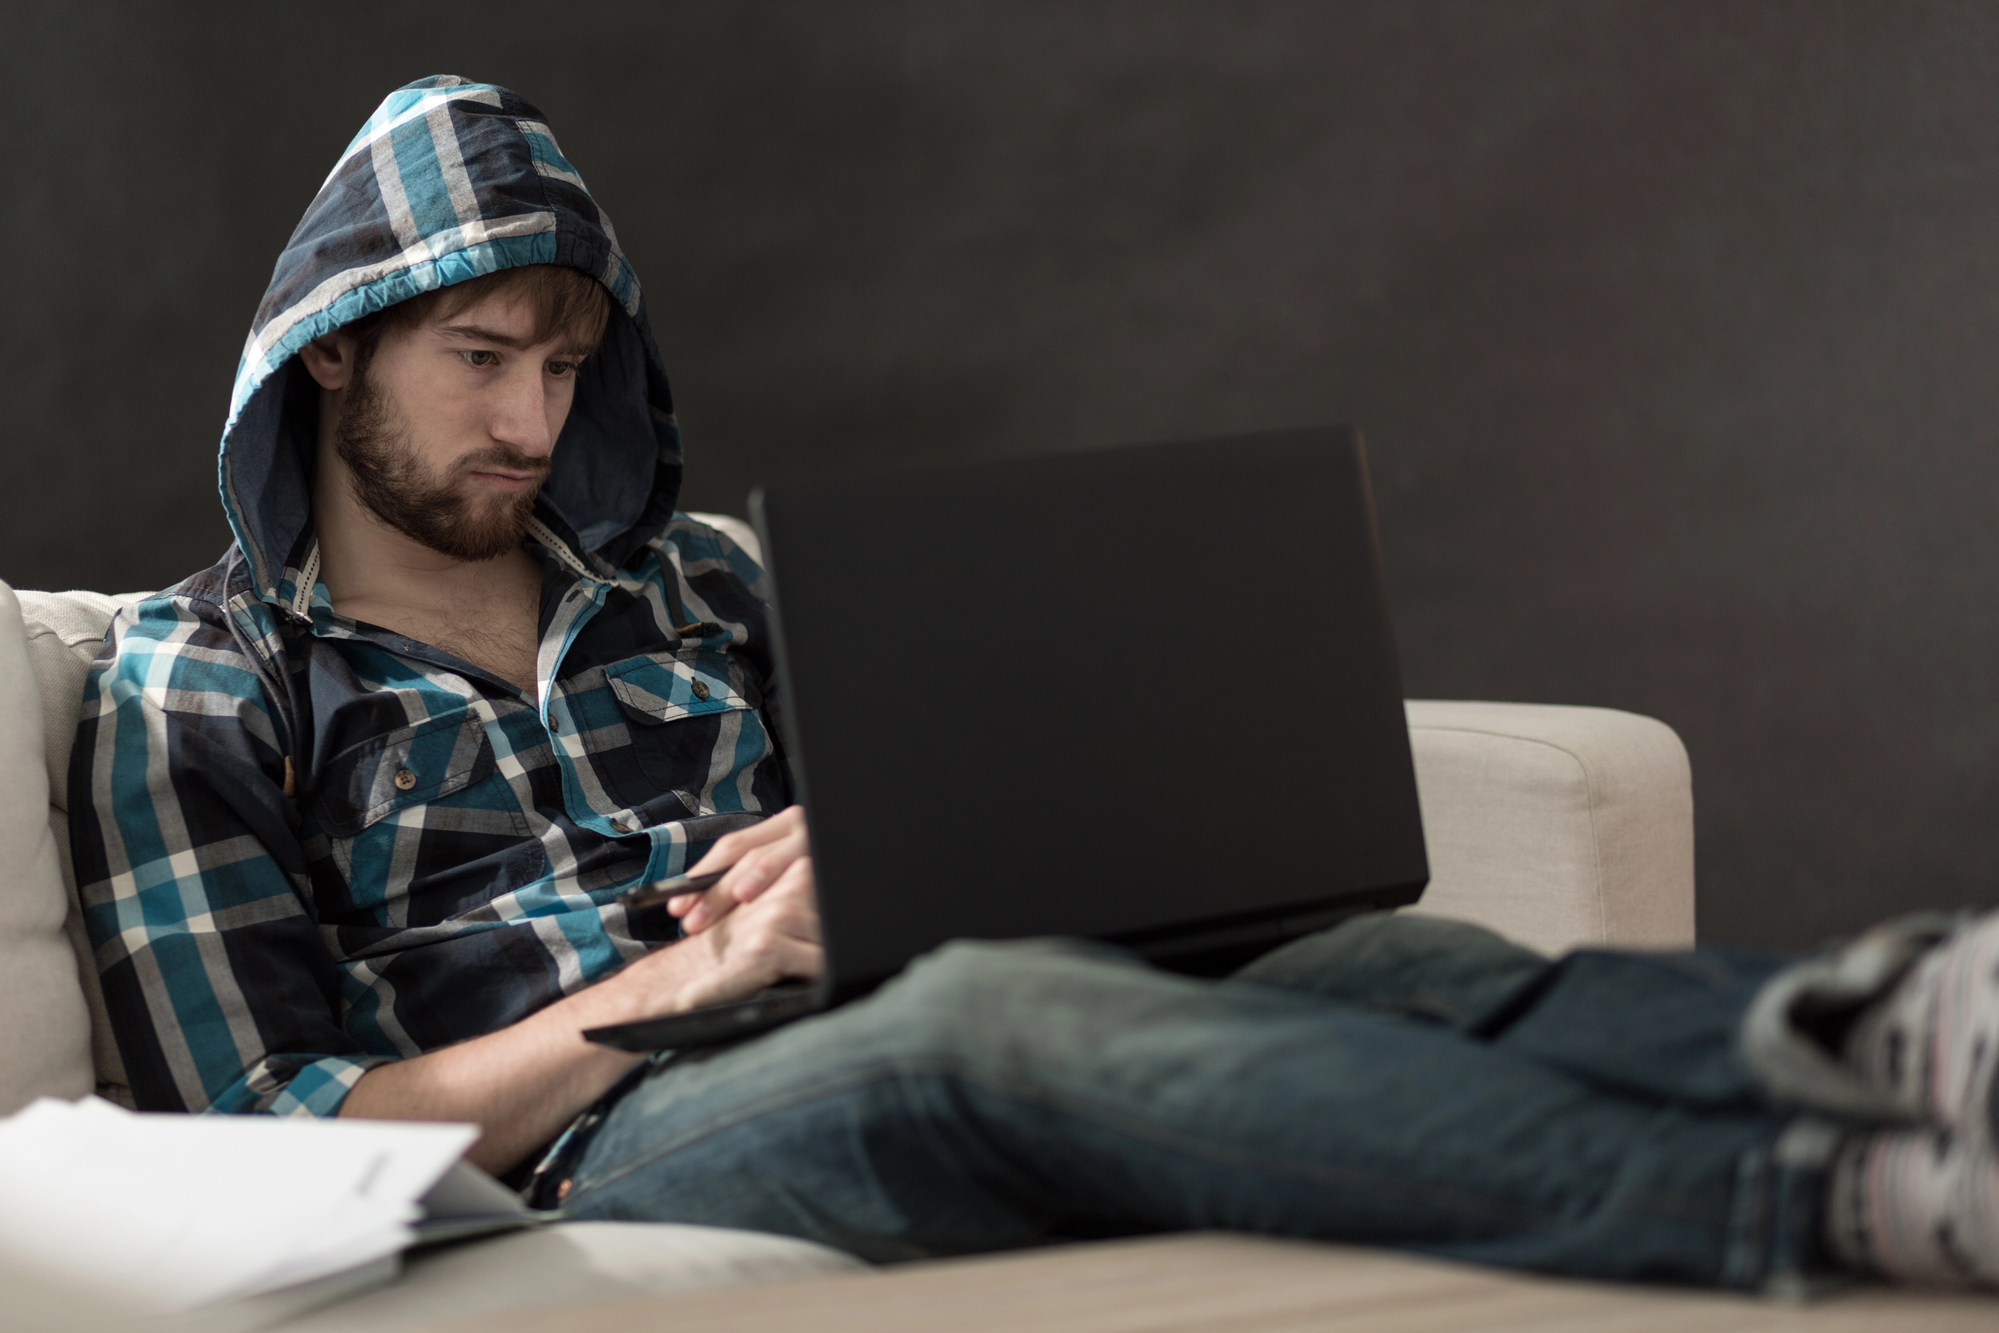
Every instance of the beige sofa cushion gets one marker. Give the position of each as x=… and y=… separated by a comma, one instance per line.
x=45, y=1038
x=64, y=631
x=574, y=1263
x=1558, y=827
x=539, y=1273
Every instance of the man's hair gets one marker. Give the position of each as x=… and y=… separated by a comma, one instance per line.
x=564, y=300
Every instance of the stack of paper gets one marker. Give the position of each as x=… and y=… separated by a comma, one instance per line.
x=172, y=1213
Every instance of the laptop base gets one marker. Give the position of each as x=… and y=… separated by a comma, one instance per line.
x=714, y=1024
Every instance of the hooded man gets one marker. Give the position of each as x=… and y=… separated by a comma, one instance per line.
x=452, y=688
x=354, y=810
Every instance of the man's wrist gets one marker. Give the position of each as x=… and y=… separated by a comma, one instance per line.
x=650, y=987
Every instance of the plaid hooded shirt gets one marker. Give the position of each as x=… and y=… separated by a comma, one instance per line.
x=307, y=845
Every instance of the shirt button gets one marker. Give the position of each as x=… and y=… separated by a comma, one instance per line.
x=620, y=826
x=701, y=689
x=404, y=779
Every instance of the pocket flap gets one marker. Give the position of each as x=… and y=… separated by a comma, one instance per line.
x=661, y=687
x=424, y=762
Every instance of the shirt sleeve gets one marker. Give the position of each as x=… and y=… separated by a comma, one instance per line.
x=220, y=990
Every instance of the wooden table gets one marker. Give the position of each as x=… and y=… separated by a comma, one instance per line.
x=1206, y=1283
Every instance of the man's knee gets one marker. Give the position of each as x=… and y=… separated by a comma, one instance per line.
x=1452, y=971
x=1409, y=936
x=971, y=979
x=974, y=999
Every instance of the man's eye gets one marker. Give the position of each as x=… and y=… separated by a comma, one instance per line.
x=561, y=368
x=481, y=359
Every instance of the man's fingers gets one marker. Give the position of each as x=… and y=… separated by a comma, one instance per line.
x=785, y=916
x=793, y=905
x=800, y=959
x=730, y=847
x=773, y=938
x=763, y=868
x=796, y=882
x=751, y=859
x=785, y=958
x=787, y=943
x=745, y=882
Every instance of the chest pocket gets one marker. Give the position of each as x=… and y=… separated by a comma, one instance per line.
x=694, y=682
x=682, y=706
x=421, y=764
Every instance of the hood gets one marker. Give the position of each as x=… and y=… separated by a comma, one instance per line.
x=449, y=180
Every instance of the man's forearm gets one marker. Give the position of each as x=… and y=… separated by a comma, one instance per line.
x=522, y=1084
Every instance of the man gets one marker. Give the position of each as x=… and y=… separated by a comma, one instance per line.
x=355, y=806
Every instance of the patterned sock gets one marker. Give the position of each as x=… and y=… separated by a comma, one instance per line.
x=1932, y=1043
x=1916, y=1205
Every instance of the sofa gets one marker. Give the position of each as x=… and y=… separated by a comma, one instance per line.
x=1557, y=826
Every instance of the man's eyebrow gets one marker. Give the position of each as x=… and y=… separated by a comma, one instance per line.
x=480, y=333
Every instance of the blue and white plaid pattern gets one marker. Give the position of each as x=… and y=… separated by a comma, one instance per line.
x=451, y=858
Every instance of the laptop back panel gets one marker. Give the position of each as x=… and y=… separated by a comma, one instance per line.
x=1145, y=694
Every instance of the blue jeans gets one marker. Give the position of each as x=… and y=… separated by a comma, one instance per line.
x=1396, y=1081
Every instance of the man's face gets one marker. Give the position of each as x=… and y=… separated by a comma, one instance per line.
x=448, y=430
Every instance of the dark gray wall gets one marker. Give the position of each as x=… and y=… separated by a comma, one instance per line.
x=1672, y=325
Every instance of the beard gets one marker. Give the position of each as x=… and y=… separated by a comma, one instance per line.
x=441, y=511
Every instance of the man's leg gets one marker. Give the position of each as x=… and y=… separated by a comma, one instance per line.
x=1658, y=1025
x=998, y=1094
x=1899, y=1025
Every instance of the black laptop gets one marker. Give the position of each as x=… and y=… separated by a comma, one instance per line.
x=1144, y=694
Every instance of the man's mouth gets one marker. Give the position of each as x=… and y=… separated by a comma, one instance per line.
x=509, y=481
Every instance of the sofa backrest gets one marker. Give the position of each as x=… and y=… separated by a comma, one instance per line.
x=62, y=633
x=45, y=1031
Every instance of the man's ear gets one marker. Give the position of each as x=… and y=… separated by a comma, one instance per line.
x=330, y=359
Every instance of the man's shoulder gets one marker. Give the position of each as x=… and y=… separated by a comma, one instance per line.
x=212, y=614
x=187, y=656
x=711, y=544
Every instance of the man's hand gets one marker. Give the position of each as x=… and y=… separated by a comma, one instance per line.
x=759, y=925
x=760, y=857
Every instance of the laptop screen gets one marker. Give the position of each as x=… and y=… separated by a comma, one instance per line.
x=1145, y=694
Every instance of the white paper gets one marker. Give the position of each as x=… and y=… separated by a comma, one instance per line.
x=172, y=1213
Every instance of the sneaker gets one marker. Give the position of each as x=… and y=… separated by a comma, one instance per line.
x=1916, y=1205
x=1932, y=1043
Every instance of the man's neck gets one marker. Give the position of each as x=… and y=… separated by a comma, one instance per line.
x=370, y=568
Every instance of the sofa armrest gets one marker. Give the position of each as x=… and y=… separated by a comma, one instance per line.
x=1558, y=827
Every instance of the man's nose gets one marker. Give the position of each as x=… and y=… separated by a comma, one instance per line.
x=521, y=414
